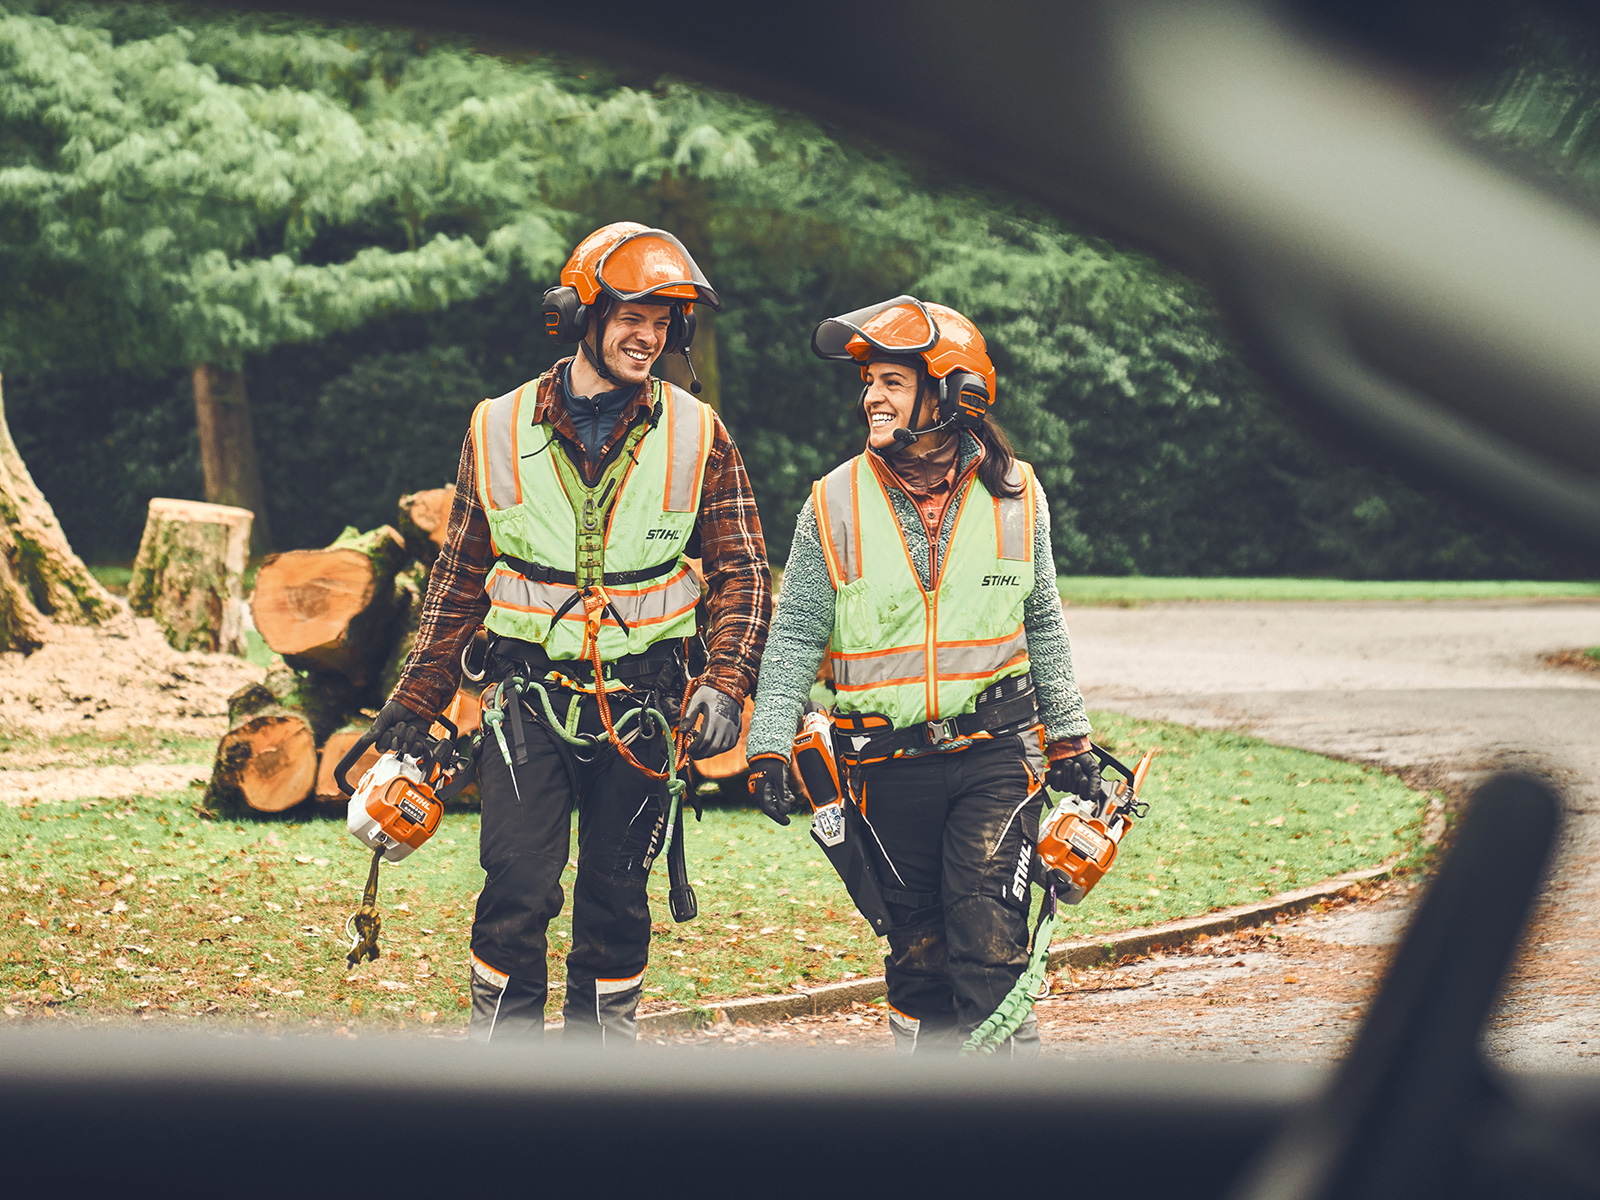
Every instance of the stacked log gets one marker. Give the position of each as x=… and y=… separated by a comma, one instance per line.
x=343, y=620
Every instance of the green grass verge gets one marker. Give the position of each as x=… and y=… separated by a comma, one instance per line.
x=1127, y=590
x=113, y=577
x=146, y=907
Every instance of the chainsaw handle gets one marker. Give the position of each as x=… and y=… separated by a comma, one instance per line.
x=366, y=739
x=1106, y=757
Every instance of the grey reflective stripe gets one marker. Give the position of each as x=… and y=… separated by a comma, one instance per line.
x=682, y=494
x=1011, y=518
x=499, y=450
x=880, y=668
x=509, y=590
x=838, y=493
x=980, y=660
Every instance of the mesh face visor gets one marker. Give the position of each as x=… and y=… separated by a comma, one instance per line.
x=902, y=326
x=653, y=265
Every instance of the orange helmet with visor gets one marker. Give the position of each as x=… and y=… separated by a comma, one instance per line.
x=949, y=347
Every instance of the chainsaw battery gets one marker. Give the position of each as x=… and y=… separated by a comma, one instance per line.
x=818, y=770
x=394, y=808
x=1079, y=850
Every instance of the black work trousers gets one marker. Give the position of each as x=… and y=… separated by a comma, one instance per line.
x=955, y=833
x=524, y=846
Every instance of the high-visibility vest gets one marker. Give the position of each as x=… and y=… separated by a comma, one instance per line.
x=533, y=518
x=913, y=653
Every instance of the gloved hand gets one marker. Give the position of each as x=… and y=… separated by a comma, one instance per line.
x=1077, y=773
x=769, y=787
x=720, y=718
x=401, y=730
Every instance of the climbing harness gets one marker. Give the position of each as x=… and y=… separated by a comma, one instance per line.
x=1077, y=845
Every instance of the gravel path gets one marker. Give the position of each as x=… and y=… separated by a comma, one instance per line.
x=1446, y=691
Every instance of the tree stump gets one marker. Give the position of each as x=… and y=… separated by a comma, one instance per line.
x=189, y=574
x=267, y=761
x=422, y=521
x=332, y=609
x=41, y=579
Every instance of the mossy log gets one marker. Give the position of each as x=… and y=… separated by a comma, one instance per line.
x=332, y=609
x=189, y=574
x=41, y=580
x=267, y=761
x=423, y=519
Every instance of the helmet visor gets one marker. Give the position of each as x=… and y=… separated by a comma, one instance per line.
x=652, y=265
x=899, y=326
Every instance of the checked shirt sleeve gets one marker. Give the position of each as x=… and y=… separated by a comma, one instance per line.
x=456, y=603
x=733, y=553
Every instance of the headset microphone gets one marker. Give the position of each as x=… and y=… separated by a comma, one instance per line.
x=905, y=436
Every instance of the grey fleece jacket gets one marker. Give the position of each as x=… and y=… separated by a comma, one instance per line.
x=803, y=623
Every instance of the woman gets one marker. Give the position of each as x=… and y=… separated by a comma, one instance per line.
x=923, y=568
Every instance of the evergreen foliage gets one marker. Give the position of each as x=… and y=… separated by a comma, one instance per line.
x=365, y=221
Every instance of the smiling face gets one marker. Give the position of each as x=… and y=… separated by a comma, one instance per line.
x=635, y=335
x=891, y=395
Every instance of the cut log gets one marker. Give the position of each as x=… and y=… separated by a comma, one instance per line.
x=189, y=574
x=332, y=609
x=265, y=763
x=41, y=579
x=325, y=699
x=422, y=521
x=326, y=791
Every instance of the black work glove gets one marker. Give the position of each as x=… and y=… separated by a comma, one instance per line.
x=769, y=787
x=397, y=728
x=1079, y=774
x=720, y=719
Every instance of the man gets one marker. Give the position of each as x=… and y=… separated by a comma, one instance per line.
x=922, y=568
x=580, y=497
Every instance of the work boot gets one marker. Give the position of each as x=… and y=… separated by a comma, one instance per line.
x=503, y=1007
x=603, y=1012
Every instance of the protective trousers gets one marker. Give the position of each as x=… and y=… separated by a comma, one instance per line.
x=956, y=833
x=524, y=846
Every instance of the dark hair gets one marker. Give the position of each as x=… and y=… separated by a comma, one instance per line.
x=997, y=459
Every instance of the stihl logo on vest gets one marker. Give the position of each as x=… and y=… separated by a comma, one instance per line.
x=999, y=581
x=662, y=535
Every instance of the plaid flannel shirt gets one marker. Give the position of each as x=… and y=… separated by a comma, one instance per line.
x=727, y=538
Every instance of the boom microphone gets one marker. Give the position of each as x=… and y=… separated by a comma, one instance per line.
x=905, y=436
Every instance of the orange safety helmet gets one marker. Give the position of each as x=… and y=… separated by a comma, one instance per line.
x=627, y=261
x=949, y=347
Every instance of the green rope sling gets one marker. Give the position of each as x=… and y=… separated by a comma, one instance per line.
x=1019, y=1001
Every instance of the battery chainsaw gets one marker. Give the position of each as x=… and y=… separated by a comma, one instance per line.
x=1078, y=839
x=394, y=808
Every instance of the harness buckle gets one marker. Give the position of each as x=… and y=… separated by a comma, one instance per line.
x=940, y=732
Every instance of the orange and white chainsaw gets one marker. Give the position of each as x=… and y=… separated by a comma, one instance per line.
x=394, y=808
x=1078, y=839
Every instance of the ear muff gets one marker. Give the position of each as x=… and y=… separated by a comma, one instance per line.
x=566, y=318
x=861, y=407
x=680, y=332
x=963, y=399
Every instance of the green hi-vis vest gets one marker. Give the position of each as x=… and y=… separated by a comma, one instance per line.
x=536, y=517
x=908, y=652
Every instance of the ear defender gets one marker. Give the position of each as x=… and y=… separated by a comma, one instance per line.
x=680, y=332
x=566, y=318
x=861, y=407
x=963, y=399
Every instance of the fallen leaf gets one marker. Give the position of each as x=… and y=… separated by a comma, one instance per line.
x=1275, y=821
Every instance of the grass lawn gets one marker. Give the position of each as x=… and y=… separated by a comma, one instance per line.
x=119, y=909
x=1127, y=590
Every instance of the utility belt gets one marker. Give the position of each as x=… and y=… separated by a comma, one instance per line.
x=508, y=656
x=1005, y=707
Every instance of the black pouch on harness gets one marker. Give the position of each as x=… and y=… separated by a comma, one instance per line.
x=680, y=895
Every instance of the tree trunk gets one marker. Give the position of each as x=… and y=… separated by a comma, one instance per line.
x=189, y=574
x=704, y=352
x=332, y=609
x=228, y=447
x=41, y=579
x=422, y=520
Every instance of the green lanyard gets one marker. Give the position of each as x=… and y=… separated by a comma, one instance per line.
x=592, y=505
